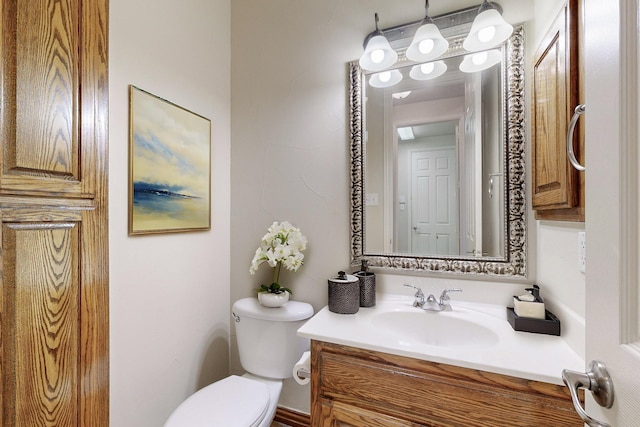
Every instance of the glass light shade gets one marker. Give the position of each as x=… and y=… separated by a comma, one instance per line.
x=427, y=44
x=378, y=54
x=474, y=62
x=488, y=30
x=428, y=71
x=385, y=78
x=401, y=95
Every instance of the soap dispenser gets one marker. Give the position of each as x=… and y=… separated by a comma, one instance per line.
x=367, y=285
x=530, y=304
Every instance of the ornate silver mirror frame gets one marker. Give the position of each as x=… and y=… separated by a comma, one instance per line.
x=514, y=262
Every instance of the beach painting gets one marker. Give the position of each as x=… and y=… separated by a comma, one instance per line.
x=169, y=166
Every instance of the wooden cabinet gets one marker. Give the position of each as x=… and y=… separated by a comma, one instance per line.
x=54, y=358
x=355, y=387
x=557, y=187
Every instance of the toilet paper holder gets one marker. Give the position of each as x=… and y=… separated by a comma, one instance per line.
x=303, y=373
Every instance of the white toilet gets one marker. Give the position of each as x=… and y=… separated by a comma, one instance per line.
x=269, y=348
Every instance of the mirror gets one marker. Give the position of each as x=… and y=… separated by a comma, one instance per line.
x=451, y=197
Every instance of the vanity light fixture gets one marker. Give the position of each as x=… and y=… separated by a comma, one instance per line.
x=378, y=53
x=488, y=30
x=427, y=43
x=428, y=70
x=479, y=61
x=385, y=78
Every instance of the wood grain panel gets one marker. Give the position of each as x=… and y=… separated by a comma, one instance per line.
x=430, y=393
x=550, y=121
x=47, y=50
x=40, y=294
x=54, y=89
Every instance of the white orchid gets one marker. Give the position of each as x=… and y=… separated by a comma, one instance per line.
x=282, y=245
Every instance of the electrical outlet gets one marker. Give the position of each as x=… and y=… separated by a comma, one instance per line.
x=582, y=251
x=371, y=199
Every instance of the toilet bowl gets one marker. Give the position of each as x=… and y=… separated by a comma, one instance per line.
x=268, y=347
x=234, y=401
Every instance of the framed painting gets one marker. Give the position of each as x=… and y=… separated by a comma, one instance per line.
x=169, y=166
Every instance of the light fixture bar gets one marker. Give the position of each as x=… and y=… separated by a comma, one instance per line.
x=450, y=24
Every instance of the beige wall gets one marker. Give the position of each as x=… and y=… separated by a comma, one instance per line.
x=169, y=293
x=290, y=154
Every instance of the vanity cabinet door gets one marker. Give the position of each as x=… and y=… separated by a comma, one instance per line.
x=557, y=187
x=356, y=387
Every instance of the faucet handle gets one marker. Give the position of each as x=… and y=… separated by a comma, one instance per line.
x=417, y=288
x=445, y=294
x=419, y=302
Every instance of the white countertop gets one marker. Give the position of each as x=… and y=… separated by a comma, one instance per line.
x=526, y=355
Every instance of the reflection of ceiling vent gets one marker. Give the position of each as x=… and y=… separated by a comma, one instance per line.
x=406, y=133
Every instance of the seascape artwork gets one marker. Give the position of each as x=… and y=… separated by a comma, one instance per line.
x=169, y=166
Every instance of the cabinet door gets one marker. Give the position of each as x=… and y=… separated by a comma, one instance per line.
x=557, y=186
x=53, y=214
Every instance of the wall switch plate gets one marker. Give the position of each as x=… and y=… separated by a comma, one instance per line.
x=582, y=251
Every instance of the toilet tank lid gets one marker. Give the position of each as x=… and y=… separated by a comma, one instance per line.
x=289, y=312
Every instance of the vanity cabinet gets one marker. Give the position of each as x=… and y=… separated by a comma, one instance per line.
x=557, y=187
x=357, y=387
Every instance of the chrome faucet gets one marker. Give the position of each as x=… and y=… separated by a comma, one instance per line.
x=431, y=303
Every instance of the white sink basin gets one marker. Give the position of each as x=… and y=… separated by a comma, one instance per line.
x=472, y=335
x=446, y=329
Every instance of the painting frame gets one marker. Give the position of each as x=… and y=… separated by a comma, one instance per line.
x=169, y=166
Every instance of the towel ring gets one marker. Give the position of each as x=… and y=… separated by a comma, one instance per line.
x=572, y=124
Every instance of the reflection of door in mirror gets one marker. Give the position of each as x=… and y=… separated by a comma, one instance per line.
x=426, y=215
x=434, y=210
x=418, y=200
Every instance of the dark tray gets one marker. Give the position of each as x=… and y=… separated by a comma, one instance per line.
x=550, y=325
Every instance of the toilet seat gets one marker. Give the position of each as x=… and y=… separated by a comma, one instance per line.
x=233, y=401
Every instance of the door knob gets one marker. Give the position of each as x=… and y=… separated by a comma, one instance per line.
x=598, y=381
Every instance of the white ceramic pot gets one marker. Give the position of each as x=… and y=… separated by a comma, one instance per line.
x=268, y=299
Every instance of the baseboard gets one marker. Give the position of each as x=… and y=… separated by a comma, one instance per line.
x=292, y=418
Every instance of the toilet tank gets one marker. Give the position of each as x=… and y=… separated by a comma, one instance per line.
x=268, y=343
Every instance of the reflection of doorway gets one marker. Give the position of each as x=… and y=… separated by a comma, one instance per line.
x=434, y=205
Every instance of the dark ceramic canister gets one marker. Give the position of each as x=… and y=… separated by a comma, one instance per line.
x=344, y=294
